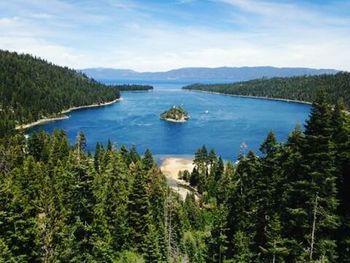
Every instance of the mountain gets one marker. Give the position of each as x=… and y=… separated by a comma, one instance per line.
x=223, y=74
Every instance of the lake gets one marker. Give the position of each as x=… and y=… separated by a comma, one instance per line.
x=217, y=121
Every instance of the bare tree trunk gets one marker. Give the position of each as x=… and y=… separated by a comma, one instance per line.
x=313, y=228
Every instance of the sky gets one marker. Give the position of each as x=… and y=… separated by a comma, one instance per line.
x=158, y=35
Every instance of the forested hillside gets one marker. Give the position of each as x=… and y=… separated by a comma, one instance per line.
x=61, y=204
x=31, y=89
x=303, y=88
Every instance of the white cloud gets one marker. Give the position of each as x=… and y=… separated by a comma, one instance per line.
x=128, y=36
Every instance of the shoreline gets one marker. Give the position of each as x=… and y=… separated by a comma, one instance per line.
x=49, y=119
x=259, y=97
x=253, y=97
x=172, y=120
x=170, y=167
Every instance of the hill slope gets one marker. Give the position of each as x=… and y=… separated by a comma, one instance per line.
x=304, y=88
x=232, y=74
x=31, y=88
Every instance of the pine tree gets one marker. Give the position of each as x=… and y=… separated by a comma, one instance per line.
x=22, y=210
x=101, y=237
x=276, y=248
x=98, y=157
x=194, y=247
x=77, y=243
x=242, y=251
x=320, y=170
x=192, y=211
x=269, y=145
x=37, y=146
x=341, y=139
x=295, y=217
x=218, y=239
x=138, y=209
x=59, y=146
x=201, y=160
x=157, y=191
x=147, y=160
x=150, y=249
x=266, y=187
x=242, y=201
x=194, y=178
x=134, y=157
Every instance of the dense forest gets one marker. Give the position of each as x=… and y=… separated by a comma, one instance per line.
x=31, y=89
x=304, y=88
x=59, y=203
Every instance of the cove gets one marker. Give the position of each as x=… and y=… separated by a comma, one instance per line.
x=217, y=121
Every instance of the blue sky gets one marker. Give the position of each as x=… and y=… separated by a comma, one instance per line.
x=162, y=34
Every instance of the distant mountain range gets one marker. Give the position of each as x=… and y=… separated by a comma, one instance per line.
x=226, y=74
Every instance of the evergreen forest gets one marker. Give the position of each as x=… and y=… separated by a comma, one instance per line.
x=32, y=89
x=301, y=88
x=288, y=203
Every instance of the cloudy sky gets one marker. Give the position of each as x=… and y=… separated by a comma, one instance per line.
x=152, y=35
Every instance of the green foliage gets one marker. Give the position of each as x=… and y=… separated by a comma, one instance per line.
x=32, y=89
x=60, y=204
x=138, y=209
x=129, y=257
x=242, y=252
x=304, y=88
x=176, y=113
x=289, y=205
x=194, y=247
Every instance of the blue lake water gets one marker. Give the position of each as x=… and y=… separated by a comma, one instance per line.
x=217, y=121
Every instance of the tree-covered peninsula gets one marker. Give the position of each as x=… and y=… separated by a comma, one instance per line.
x=32, y=89
x=175, y=114
x=304, y=88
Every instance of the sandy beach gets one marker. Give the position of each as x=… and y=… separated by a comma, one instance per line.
x=45, y=120
x=171, y=167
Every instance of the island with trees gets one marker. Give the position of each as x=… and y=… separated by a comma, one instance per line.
x=175, y=114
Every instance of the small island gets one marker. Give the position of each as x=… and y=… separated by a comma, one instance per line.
x=175, y=114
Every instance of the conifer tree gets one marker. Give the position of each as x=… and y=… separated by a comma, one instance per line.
x=276, y=250
x=242, y=251
x=77, y=244
x=192, y=211
x=138, y=209
x=320, y=170
x=151, y=251
x=341, y=139
x=218, y=239
x=147, y=160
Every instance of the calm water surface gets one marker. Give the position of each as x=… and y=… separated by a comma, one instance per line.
x=217, y=121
